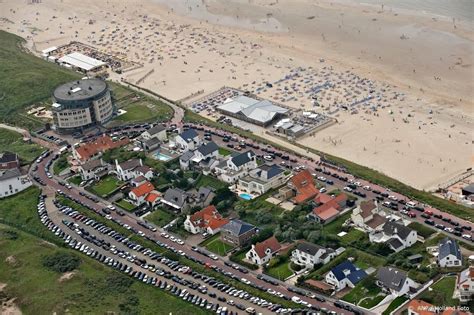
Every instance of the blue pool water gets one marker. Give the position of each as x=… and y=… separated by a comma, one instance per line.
x=161, y=157
x=245, y=196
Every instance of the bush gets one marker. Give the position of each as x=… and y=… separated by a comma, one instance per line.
x=61, y=262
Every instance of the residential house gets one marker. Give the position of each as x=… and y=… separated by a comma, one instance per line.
x=150, y=144
x=303, y=184
x=203, y=197
x=93, y=169
x=95, y=149
x=206, y=151
x=137, y=195
x=188, y=140
x=205, y=157
x=328, y=208
x=238, y=233
x=13, y=181
x=236, y=166
x=177, y=199
x=262, y=179
x=309, y=254
x=345, y=275
x=420, y=307
x=207, y=220
x=262, y=252
x=395, y=234
x=449, y=254
x=157, y=132
x=9, y=160
x=185, y=160
x=368, y=216
x=394, y=281
x=137, y=181
x=131, y=169
x=465, y=285
x=153, y=198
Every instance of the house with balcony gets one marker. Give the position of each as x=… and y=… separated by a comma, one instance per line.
x=394, y=281
x=238, y=233
x=395, y=234
x=131, y=169
x=138, y=195
x=308, y=255
x=465, y=285
x=368, y=216
x=188, y=140
x=345, y=275
x=93, y=169
x=236, y=166
x=156, y=132
x=207, y=220
x=262, y=179
x=302, y=186
x=262, y=252
x=449, y=253
x=327, y=208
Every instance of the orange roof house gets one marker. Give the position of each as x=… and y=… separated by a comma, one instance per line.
x=97, y=147
x=143, y=189
x=208, y=219
x=329, y=207
x=270, y=244
x=303, y=183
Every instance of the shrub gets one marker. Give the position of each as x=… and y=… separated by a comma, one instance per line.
x=61, y=262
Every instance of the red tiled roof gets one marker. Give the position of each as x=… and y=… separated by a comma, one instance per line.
x=208, y=217
x=366, y=208
x=143, y=189
x=271, y=243
x=152, y=196
x=420, y=307
x=101, y=144
x=304, y=185
x=471, y=272
x=330, y=208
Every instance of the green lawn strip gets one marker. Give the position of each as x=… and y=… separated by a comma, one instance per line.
x=395, y=303
x=92, y=289
x=280, y=271
x=353, y=168
x=124, y=204
x=441, y=293
x=421, y=229
x=105, y=186
x=371, y=302
x=160, y=217
x=60, y=164
x=20, y=211
x=365, y=288
x=25, y=80
x=13, y=142
x=215, y=245
x=353, y=235
x=224, y=151
x=76, y=180
x=335, y=227
x=209, y=181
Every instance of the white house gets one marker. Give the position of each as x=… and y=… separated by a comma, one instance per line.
x=236, y=167
x=262, y=252
x=345, y=275
x=309, y=255
x=207, y=220
x=188, y=140
x=394, y=281
x=262, y=179
x=205, y=151
x=138, y=194
x=157, y=132
x=395, y=234
x=449, y=254
x=93, y=169
x=205, y=156
x=12, y=181
x=465, y=285
x=368, y=216
x=131, y=169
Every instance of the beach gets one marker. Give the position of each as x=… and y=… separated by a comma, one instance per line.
x=412, y=73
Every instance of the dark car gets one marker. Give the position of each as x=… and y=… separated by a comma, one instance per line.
x=430, y=222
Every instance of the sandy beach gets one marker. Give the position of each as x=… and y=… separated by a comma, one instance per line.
x=411, y=73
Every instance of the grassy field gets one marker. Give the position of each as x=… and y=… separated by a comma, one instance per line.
x=421, y=229
x=76, y=180
x=280, y=271
x=105, y=186
x=441, y=293
x=60, y=164
x=25, y=80
x=371, y=301
x=334, y=227
x=92, y=288
x=365, y=288
x=13, y=141
x=224, y=151
x=160, y=217
x=124, y=204
x=210, y=181
x=394, y=304
x=215, y=245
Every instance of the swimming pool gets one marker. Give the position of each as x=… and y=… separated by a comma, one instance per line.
x=245, y=196
x=161, y=157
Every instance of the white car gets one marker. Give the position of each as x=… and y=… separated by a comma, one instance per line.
x=108, y=216
x=449, y=230
x=268, y=158
x=348, y=189
x=296, y=299
x=245, y=281
x=366, y=187
x=322, y=190
x=391, y=197
x=466, y=236
x=322, y=178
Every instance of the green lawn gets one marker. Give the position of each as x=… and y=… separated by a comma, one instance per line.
x=335, y=226
x=92, y=289
x=215, y=245
x=209, y=181
x=421, y=229
x=394, y=304
x=353, y=235
x=125, y=205
x=13, y=141
x=146, y=109
x=76, y=180
x=441, y=293
x=280, y=271
x=224, y=151
x=105, y=186
x=60, y=164
x=365, y=288
x=160, y=217
x=25, y=80
x=371, y=302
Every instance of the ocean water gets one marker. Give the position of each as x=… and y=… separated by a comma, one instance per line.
x=458, y=9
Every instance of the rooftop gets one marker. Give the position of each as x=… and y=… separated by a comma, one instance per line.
x=79, y=90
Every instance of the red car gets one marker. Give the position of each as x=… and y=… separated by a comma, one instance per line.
x=428, y=212
x=412, y=214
